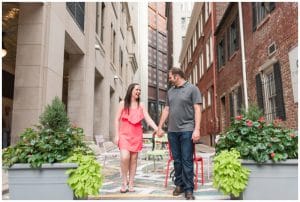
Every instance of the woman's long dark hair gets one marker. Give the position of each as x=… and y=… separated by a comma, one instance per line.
x=127, y=100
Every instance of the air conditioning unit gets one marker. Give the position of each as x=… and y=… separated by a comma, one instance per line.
x=272, y=49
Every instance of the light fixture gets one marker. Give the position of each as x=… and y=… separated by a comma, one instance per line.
x=116, y=77
x=4, y=51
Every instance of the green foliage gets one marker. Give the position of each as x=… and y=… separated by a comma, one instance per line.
x=253, y=113
x=86, y=179
x=56, y=141
x=258, y=140
x=229, y=175
x=55, y=117
x=43, y=146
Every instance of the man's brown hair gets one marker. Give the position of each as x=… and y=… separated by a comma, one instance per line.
x=178, y=71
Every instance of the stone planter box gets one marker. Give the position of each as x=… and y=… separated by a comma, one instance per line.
x=46, y=183
x=272, y=181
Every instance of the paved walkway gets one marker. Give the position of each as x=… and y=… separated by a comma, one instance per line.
x=149, y=183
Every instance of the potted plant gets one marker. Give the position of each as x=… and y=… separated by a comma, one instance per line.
x=269, y=150
x=37, y=164
x=230, y=177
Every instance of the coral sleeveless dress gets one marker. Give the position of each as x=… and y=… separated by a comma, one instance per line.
x=130, y=130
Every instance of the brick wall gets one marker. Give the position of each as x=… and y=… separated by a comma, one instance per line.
x=280, y=27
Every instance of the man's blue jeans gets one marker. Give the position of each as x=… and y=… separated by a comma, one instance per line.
x=181, y=145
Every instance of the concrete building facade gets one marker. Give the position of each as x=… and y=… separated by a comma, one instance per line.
x=84, y=53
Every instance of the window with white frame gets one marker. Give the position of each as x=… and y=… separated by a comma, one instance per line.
x=201, y=65
x=209, y=97
x=209, y=52
x=207, y=10
x=203, y=103
x=200, y=27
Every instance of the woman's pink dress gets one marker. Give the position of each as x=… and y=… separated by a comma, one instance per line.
x=130, y=130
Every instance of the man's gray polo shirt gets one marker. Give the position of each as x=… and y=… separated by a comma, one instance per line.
x=181, y=102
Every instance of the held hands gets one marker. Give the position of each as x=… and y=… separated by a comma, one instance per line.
x=159, y=132
x=196, y=136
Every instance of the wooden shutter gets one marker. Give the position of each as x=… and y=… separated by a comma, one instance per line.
x=231, y=104
x=280, y=109
x=259, y=92
x=254, y=16
x=272, y=6
x=240, y=99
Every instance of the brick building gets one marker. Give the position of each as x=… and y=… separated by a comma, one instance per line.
x=157, y=58
x=196, y=60
x=271, y=45
x=211, y=58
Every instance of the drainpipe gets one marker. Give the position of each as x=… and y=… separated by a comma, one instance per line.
x=213, y=26
x=243, y=56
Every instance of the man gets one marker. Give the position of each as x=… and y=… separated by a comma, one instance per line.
x=183, y=112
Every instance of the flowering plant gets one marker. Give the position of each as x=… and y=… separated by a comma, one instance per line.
x=258, y=140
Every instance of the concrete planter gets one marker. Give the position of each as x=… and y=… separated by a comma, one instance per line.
x=46, y=183
x=272, y=181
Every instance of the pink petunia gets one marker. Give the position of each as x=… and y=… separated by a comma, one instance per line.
x=249, y=123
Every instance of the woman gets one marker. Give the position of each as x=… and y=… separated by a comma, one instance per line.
x=129, y=133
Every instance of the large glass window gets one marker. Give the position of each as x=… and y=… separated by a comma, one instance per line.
x=76, y=10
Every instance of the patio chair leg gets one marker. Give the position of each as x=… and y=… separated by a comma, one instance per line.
x=167, y=173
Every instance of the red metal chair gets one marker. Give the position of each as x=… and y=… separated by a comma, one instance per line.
x=196, y=160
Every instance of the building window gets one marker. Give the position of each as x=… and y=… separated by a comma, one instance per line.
x=221, y=54
x=203, y=103
x=207, y=10
x=102, y=21
x=209, y=97
x=121, y=61
x=233, y=37
x=113, y=44
x=97, y=18
x=76, y=9
x=260, y=10
x=200, y=27
x=235, y=98
x=209, y=52
x=201, y=65
x=270, y=93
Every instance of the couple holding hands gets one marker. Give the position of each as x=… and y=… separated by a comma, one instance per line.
x=183, y=112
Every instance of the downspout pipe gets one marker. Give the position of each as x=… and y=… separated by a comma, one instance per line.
x=243, y=56
x=213, y=25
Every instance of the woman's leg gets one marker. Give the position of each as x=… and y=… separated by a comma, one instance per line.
x=124, y=163
x=132, y=169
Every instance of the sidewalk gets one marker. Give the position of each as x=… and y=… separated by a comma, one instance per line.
x=149, y=183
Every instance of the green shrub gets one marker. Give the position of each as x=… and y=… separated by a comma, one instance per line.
x=258, y=140
x=54, y=141
x=86, y=179
x=55, y=117
x=230, y=177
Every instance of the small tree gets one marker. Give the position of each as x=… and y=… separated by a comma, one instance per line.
x=55, y=117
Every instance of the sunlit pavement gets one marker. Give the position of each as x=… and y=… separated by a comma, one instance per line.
x=149, y=183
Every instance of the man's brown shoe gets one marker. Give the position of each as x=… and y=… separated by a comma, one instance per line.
x=177, y=191
x=189, y=196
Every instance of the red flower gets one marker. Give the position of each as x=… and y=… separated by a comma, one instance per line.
x=249, y=123
x=261, y=119
x=272, y=154
x=239, y=117
x=260, y=126
x=292, y=135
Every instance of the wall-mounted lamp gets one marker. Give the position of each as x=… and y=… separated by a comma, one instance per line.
x=97, y=47
x=4, y=50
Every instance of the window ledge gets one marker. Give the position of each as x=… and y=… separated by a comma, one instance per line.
x=221, y=68
x=264, y=21
x=232, y=56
